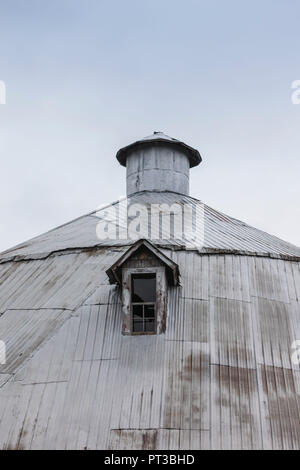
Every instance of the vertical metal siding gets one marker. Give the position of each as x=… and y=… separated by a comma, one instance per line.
x=220, y=377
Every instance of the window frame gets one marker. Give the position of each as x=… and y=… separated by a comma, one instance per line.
x=160, y=303
x=144, y=332
x=143, y=304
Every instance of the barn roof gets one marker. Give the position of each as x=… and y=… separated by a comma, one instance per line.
x=222, y=233
x=61, y=322
x=45, y=280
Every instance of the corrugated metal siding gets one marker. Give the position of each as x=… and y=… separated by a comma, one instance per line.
x=220, y=377
x=24, y=330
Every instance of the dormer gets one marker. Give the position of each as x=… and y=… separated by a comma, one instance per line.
x=144, y=273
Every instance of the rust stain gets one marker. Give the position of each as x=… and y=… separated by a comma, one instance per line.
x=184, y=385
x=141, y=439
x=282, y=402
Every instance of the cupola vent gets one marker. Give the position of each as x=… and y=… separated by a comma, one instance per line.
x=158, y=163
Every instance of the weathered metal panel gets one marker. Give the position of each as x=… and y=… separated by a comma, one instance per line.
x=128, y=439
x=232, y=338
x=221, y=233
x=268, y=279
x=274, y=332
x=229, y=278
x=186, y=390
x=188, y=318
x=52, y=362
x=79, y=233
x=193, y=284
x=157, y=168
x=23, y=331
x=235, y=421
x=63, y=281
x=280, y=392
x=220, y=377
x=4, y=378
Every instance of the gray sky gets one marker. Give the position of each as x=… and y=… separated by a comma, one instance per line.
x=86, y=77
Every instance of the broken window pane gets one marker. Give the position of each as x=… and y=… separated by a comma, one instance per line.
x=143, y=288
x=137, y=311
x=143, y=303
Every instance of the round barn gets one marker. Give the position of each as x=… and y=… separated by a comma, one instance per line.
x=155, y=322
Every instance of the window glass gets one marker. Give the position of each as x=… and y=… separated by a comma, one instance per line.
x=143, y=299
x=149, y=311
x=137, y=311
x=149, y=325
x=143, y=288
x=138, y=326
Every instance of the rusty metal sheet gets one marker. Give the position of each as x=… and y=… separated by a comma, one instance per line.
x=236, y=422
x=280, y=404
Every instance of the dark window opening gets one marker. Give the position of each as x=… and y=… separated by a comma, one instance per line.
x=143, y=299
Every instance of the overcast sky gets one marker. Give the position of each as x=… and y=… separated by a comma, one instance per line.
x=86, y=77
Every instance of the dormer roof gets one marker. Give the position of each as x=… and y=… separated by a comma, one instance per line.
x=172, y=270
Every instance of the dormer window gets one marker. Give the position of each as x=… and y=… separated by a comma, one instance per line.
x=144, y=273
x=143, y=303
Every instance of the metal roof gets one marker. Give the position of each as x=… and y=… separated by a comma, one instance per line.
x=220, y=377
x=222, y=233
x=160, y=138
